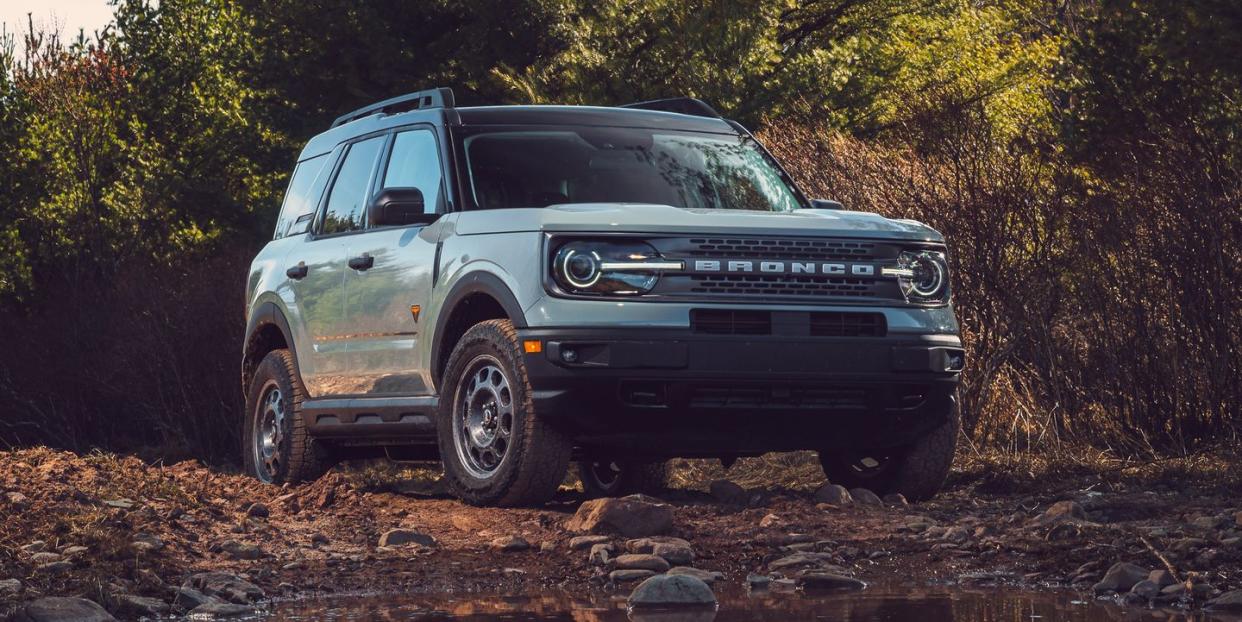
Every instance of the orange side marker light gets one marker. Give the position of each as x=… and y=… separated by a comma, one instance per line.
x=532, y=346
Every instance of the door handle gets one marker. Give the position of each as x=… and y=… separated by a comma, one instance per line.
x=361, y=262
x=297, y=272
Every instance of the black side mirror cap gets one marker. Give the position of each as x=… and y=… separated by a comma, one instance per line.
x=398, y=207
x=826, y=204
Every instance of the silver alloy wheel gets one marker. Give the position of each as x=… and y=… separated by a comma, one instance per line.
x=483, y=416
x=269, y=432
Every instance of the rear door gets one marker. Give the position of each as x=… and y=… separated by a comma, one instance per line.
x=389, y=284
x=318, y=269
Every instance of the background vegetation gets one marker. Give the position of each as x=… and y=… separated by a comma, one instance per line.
x=1082, y=156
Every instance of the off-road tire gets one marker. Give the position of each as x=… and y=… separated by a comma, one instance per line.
x=304, y=458
x=537, y=454
x=634, y=477
x=917, y=471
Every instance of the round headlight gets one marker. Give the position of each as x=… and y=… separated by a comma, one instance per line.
x=579, y=269
x=928, y=276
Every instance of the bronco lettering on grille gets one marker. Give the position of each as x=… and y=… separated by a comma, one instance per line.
x=783, y=267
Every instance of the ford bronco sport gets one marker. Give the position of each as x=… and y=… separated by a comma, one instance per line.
x=511, y=288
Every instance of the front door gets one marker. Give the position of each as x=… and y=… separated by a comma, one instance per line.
x=388, y=285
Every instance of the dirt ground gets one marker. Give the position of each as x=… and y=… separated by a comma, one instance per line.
x=102, y=526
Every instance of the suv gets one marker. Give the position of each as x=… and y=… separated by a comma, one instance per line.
x=512, y=288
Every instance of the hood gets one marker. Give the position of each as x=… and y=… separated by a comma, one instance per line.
x=647, y=218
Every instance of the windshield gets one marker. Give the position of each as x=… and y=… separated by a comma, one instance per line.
x=537, y=168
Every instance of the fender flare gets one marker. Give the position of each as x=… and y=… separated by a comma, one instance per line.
x=266, y=314
x=473, y=283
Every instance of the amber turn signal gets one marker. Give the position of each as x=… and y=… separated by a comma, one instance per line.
x=532, y=346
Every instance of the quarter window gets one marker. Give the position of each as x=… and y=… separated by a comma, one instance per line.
x=305, y=188
x=415, y=163
x=347, y=201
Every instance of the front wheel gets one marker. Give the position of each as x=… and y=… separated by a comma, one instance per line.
x=495, y=450
x=277, y=448
x=917, y=471
x=614, y=478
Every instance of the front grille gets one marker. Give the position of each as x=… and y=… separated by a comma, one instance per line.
x=785, y=248
x=728, y=322
x=782, y=285
x=796, y=397
x=848, y=325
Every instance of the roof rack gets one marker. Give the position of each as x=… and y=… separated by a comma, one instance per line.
x=679, y=105
x=431, y=98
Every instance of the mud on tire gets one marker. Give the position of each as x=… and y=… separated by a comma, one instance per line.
x=276, y=446
x=917, y=471
x=495, y=450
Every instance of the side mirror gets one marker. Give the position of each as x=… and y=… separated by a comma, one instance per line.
x=826, y=204
x=398, y=206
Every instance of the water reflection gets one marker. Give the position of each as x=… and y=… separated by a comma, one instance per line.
x=879, y=603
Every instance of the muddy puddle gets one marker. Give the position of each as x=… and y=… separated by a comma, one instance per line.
x=878, y=603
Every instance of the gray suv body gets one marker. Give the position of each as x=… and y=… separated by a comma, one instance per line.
x=513, y=288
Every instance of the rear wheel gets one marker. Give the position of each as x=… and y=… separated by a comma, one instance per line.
x=607, y=478
x=916, y=471
x=277, y=448
x=495, y=450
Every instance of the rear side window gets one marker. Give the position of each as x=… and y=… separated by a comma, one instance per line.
x=415, y=163
x=304, y=191
x=346, y=202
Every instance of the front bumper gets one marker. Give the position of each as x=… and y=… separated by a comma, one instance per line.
x=676, y=392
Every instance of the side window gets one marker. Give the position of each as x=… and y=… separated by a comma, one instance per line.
x=347, y=201
x=301, y=198
x=415, y=163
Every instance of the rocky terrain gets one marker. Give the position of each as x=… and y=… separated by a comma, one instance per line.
x=104, y=536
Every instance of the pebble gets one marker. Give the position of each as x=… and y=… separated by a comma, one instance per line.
x=220, y=611
x=1121, y=577
x=815, y=580
x=510, y=544
x=258, y=510
x=46, y=557
x=38, y=546
x=674, y=554
x=641, y=561
x=769, y=521
x=728, y=493
x=679, y=590
x=1062, y=511
x=758, y=581
x=601, y=554
x=1229, y=601
x=707, y=576
x=10, y=587
x=60, y=609
x=862, y=496
x=833, y=494
x=131, y=606
x=55, y=567
x=896, y=499
x=400, y=537
x=629, y=575
x=581, y=543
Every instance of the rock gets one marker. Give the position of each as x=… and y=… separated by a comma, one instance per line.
x=640, y=561
x=38, y=546
x=818, y=581
x=601, y=554
x=130, y=606
x=728, y=492
x=582, y=543
x=770, y=520
x=188, y=598
x=1161, y=578
x=679, y=590
x=834, y=495
x=510, y=544
x=633, y=516
x=46, y=557
x=57, y=609
x=258, y=510
x=1229, y=601
x=55, y=567
x=220, y=611
x=17, y=500
x=674, y=554
x=10, y=587
x=1207, y=523
x=145, y=543
x=1121, y=577
x=707, y=576
x=801, y=560
x=240, y=550
x=647, y=545
x=758, y=581
x=120, y=504
x=628, y=576
x=862, y=496
x=318, y=539
x=402, y=537
x=73, y=551
x=466, y=523
x=896, y=498
x=957, y=535
x=225, y=586
x=1146, y=589
x=783, y=585
x=547, y=546
x=1062, y=511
